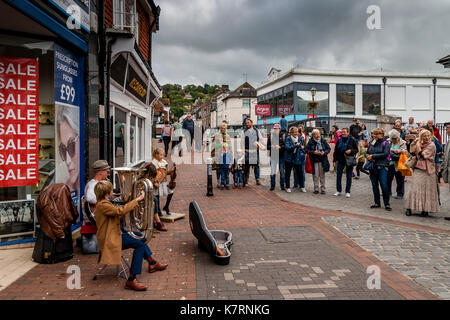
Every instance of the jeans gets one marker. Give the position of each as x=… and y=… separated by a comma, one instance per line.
x=297, y=169
x=238, y=178
x=141, y=251
x=273, y=171
x=379, y=176
x=399, y=178
x=348, y=174
x=225, y=176
x=251, y=158
x=156, y=199
x=296, y=183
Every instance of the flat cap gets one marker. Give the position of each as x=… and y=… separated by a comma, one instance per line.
x=100, y=165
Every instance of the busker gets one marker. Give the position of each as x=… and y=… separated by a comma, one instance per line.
x=112, y=240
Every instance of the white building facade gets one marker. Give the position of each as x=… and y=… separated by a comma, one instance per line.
x=234, y=106
x=364, y=95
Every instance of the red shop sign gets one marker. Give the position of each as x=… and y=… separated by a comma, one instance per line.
x=19, y=122
x=284, y=109
x=262, y=110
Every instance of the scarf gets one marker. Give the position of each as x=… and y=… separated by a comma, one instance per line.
x=319, y=146
x=343, y=144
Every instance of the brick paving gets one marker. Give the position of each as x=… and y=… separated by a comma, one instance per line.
x=421, y=255
x=259, y=220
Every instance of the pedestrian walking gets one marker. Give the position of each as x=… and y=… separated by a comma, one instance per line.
x=166, y=134
x=344, y=156
x=378, y=154
x=295, y=158
x=398, y=146
x=318, y=150
x=188, y=127
x=423, y=194
x=283, y=124
x=276, y=146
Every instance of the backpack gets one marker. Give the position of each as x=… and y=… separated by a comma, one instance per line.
x=166, y=131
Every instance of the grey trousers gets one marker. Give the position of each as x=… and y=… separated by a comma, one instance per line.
x=319, y=175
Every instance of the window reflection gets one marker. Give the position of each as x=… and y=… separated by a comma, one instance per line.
x=304, y=97
x=371, y=100
x=345, y=99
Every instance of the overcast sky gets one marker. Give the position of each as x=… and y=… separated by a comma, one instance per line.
x=217, y=41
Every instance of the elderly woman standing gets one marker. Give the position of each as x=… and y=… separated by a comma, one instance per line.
x=294, y=159
x=398, y=146
x=378, y=153
x=318, y=149
x=423, y=195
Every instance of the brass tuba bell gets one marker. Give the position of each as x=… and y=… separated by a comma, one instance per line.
x=140, y=220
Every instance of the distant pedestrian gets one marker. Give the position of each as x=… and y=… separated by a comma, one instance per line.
x=188, y=126
x=283, y=124
x=410, y=126
x=361, y=159
x=166, y=134
x=365, y=135
x=356, y=130
x=276, y=146
x=423, y=194
x=435, y=130
x=318, y=149
x=335, y=134
x=398, y=146
x=344, y=156
x=378, y=153
x=295, y=158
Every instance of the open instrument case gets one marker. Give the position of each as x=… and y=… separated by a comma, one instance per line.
x=216, y=242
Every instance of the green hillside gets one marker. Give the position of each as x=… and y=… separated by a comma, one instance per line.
x=177, y=95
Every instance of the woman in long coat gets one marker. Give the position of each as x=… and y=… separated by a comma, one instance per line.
x=423, y=195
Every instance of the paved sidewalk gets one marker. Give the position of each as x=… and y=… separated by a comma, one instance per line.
x=306, y=257
x=361, y=199
x=14, y=263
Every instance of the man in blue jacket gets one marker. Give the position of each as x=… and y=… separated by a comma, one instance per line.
x=188, y=125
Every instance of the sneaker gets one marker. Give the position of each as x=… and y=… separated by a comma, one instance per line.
x=303, y=190
x=375, y=206
x=288, y=190
x=388, y=208
x=241, y=186
x=347, y=195
x=357, y=178
x=235, y=186
x=337, y=194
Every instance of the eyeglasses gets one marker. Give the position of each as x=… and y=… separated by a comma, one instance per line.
x=63, y=150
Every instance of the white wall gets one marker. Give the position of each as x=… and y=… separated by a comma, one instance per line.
x=234, y=110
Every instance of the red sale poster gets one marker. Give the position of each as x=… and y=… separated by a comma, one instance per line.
x=262, y=110
x=19, y=122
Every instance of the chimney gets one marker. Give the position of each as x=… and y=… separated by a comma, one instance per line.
x=225, y=87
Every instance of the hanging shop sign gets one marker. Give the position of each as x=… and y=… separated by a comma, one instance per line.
x=19, y=121
x=262, y=110
x=136, y=86
x=69, y=95
x=284, y=110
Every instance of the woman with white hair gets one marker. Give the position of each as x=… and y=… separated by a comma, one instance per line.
x=318, y=149
x=67, y=131
x=423, y=195
x=398, y=146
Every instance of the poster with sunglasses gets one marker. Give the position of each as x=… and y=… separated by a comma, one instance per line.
x=69, y=95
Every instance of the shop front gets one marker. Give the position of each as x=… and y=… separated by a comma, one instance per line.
x=41, y=117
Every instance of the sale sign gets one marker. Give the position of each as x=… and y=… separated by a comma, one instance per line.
x=19, y=121
x=284, y=109
x=262, y=110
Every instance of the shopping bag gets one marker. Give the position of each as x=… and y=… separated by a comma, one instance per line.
x=308, y=166
x=405, y=171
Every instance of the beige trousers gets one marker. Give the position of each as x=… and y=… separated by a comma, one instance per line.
x=319, y=175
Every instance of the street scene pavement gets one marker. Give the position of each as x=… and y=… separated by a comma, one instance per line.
x=291, y=249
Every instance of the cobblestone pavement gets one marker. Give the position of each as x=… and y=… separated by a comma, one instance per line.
x=261, y=223
x=423, y=256
x=361, y=199
x=292, y=263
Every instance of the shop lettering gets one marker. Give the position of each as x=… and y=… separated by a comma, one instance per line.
x=18, y=114
x=137, y=86
x=18, y=159
x=18, y=84
x=18, y=129
x=18, y=99
x=18, y=144
x=11, y=174
x=18, y=69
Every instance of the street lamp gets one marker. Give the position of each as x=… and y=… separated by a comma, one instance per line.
x=313, y=105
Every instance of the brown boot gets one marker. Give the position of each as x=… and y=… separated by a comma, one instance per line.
x=135, y=285
x=258, y=183
x=157, y=267
x=160, y=226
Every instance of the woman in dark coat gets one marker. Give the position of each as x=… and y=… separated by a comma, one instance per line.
x=346, y=150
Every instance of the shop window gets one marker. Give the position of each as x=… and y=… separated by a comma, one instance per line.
x=345, y=99
x=304, y=97
x=371, y=100
x=120, y=124
x=133, y=139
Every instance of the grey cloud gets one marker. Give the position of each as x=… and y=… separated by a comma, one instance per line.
x=215, y=41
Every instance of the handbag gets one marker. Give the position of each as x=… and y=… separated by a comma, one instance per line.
x=89, y=243
x=368, y=165
x=350, y=161
x=308, y=166
x=411, y=162
x=404, y=170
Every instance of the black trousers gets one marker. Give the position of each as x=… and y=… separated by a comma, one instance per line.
x=166, y=140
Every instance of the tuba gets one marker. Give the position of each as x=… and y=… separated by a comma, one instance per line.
x=141, y=218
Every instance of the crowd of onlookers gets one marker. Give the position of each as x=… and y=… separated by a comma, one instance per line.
x=413, y=149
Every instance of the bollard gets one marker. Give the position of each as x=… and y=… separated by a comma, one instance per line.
x=209, y=173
